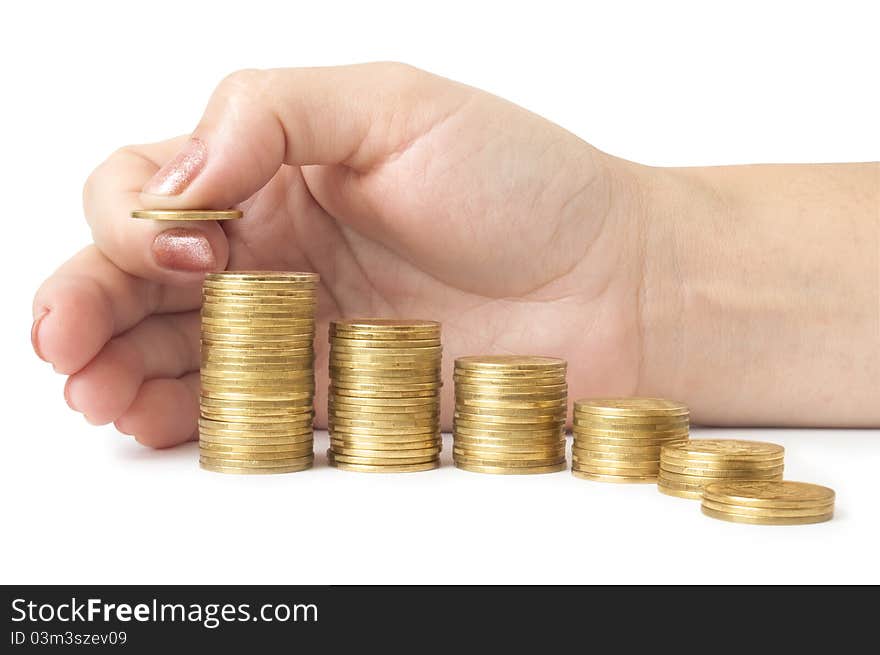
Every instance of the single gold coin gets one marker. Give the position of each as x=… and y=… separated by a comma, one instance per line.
x=509, y=444
x=615, y=450
x=186, y=214
x=509, y=363
x=712, y=477
x=586, y=467
x=767, y=520
x=366, y=443
x=619, y=479
x=509, y=463
x=236, y=470
x=388, y=468
x=408, y=433
x=379, y=461
x=382, y=393
x=506, y=470
x=630, y=407
x=618, y=422
x=255, y=463
x=678, y=492
x=507, y=423
x=262, y=277
x=251, y=456
x=746, y=510
x=368, y=454
x=744, y=472
x=724, y=449
x=770, y=494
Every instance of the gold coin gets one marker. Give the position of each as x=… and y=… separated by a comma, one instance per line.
x=587, y=467
x=279, y=357
x=383, y=394
x=263, y=276
x=260, y=441
x=413, y=454
x=377, y=443
x=370, y=420
x=509, y=463
x=283, y=375
x=623, y=442
x=249, y=416
x=509, y=444
x=406, y=468
x=414, y=404
x=219, y=446
x=597, y=477
x=632, y=432
x=251, y=456
x=502, y=433
x=630, y=407
x=641, y=422
x=725, y=449
x=711, y=477
x=507, y=423
x=384, y=325
x=510, y=377
x=395, y=414
x=770, y=494
x=745, y=510
x=379, y=461
x=404, y=433
x=525, y=401
x=273, y=426
x=495, y=388
x=506, y=457
x=480, y=418
x=509, y=363
x=506, y=470
x=615, y=460
x=382, y=344
x=611, y=451
x=256, y=471
x=743, y=472
x=255, y=463
x=767, y=520
x=671, y=490
x=187, y=214
x=379, y=374
x=233, y=436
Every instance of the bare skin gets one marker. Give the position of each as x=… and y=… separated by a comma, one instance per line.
x=749, y=292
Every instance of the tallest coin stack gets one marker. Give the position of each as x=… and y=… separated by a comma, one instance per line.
x=257, y=373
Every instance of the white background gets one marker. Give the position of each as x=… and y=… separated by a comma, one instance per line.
x=667, y=83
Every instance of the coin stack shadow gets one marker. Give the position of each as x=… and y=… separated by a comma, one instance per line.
x=383, y=404
x=766, y=502
x=619, y=439
x=686, y=468
x=510, y=414
x=257, y=372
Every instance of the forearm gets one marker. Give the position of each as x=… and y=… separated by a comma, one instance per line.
x=761, y=294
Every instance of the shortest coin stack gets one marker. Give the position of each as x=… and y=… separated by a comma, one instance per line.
x=619, y=439
x=768, y=502
x=510, y=414
x=686, y=468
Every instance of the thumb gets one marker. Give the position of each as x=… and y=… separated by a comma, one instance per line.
x=258, y=120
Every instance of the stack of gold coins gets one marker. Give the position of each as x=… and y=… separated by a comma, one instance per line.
x=768, y=502
x=257, y=375
x=510, y=414
x=619, y=439
x=384, y=398
x=686, y=468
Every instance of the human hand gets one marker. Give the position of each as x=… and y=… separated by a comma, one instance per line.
x=411, y=195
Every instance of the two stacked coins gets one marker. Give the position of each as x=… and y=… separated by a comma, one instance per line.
x=768, y=503
x=510, y=414
x=619, y=439
x=384, y=396
x=686, y=468
x=257, y=372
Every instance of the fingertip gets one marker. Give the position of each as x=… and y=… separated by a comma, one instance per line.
x=106, y=387
x=75, y=325
x=163, y=414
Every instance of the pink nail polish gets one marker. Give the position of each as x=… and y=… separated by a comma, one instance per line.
x=35, y=333
x=175, y=176
x=182, y=249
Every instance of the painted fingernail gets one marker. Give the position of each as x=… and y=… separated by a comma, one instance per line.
x=175, y=176
x=181, y=249
x=35, y=333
